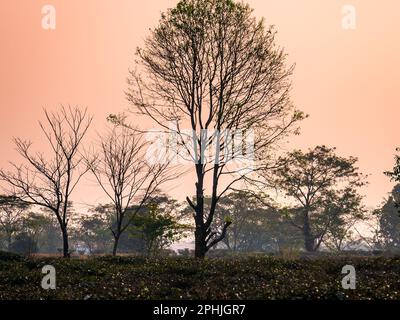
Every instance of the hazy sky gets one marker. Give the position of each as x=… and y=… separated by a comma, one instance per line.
x=347, y=80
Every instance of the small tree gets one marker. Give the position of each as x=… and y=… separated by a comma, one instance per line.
x=341, y=233
x=389, y=214
x=157, y=225
x=395, y=176
x=34, y=226
x=373, y=239
x=51, y=238
x=94, y=231
x=11, y=217
x=323, y=188
x=49, y=182
x=257, y=224
x=389, y=221
x=126, y=176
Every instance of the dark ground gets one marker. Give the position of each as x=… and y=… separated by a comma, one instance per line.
x=257, y=277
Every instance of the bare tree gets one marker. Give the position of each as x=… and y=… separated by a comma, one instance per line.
x=210, y=66
x=370, y=233
x=126, y=175
x=49, y=181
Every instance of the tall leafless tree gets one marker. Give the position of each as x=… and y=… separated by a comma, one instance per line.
x=126, y=175
x=210, y=66
x=49, y=181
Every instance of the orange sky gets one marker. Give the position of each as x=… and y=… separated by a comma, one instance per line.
x=348, y=81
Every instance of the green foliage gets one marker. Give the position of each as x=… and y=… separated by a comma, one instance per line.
x=228, y=219
x=9, y=256
x=93, y=230
x=158, y=228
x=323, y=190
x=256, y=225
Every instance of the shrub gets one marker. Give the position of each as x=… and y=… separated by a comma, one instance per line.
x=9, y=256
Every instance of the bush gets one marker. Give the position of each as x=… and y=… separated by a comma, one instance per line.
x=9, y=256
x=186, y=252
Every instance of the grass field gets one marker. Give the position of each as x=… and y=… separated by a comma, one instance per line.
x=257, y=277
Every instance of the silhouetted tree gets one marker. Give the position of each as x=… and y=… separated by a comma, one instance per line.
x=211, y=66
x=49, y=182
x=11, y=217
x=340, y=234
x=395, y=176
x=158, y=225
x=126, y=176
x=389, y=221
x=50, y=239
x=34, y=226
x=93, y=230
x=324, y=189
x=256, y=225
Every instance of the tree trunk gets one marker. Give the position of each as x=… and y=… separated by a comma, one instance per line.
x=309, y=243
x=116, y=240
x=65, y=243
x=200, y=249
x=308, y=237
x=9, y=240
x=200, y=236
